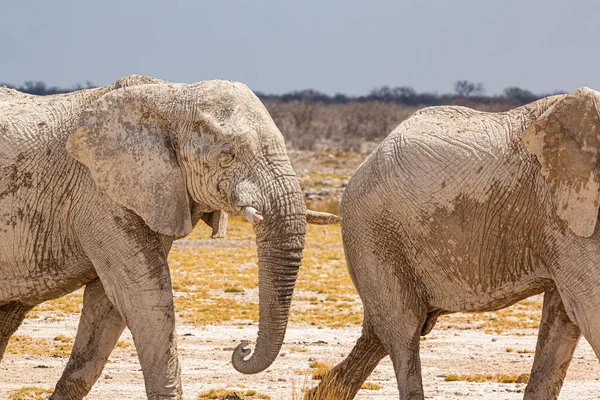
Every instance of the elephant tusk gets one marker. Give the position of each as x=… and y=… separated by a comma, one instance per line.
x=321, y=218
x=252, y=214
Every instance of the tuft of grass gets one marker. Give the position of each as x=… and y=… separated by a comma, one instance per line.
x=63, y=339
x=371, y=386
x=234, y=290
x=297, y=349
x=226, y=394
x=500, y=378
x=124, y=345
x=30, y=393
x=319, y=369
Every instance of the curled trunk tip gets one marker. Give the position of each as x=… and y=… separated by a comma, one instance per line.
x=238, y=358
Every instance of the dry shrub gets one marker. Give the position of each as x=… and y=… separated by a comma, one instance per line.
x=337, y=127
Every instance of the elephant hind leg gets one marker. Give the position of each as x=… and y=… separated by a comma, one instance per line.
x=11, y=317
x=399, y=330
x=557, y=340
x=345, y=379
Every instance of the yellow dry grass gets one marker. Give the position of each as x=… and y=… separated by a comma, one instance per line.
x=30, y=393
x=319, y=369
x=21, y=344
x=523, y=316
x=226, y=394
x=525, y=351
x=371, y=386
x=297, y=349
x=69, y=304
x=500, y=378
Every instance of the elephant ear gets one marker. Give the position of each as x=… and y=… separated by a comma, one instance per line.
x=126, y=145
x=566, y=142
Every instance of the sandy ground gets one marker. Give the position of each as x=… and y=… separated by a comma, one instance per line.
x=205, y=354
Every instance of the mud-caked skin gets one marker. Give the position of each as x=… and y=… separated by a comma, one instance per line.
x=460, y=210
x=96, y=184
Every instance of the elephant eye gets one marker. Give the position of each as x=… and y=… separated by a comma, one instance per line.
x=227, y=155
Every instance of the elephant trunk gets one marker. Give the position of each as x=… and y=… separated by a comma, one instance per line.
x=280, y=241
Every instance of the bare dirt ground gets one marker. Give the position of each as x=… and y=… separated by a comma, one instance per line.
x=205, y=354
x=216, y=304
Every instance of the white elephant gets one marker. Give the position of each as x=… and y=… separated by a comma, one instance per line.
x=96, y=184
x=460, y=210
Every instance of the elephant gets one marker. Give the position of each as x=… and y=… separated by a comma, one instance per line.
x=96, y=184
x=460, y=210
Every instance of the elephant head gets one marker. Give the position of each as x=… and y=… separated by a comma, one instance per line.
x=566, y=141
x=156, y=148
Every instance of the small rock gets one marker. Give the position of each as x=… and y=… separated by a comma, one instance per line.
x=107, y=376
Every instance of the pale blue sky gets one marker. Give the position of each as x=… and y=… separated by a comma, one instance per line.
x=331, y=46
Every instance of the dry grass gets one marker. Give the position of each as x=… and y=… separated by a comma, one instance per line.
x=500, y=378
x=297, y=349
x=319, y=369
x=226, y=394
x=524, y=316
x=122, y=344
x=30, y=393
x=69, y=304
x=20, y=344
x=324, y=390
x=219, y=285
x=371, y=386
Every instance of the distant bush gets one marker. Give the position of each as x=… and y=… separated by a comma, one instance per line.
x=318, y=126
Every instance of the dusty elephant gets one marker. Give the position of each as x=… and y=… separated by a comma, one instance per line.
x=96, y=184
x=459, y=210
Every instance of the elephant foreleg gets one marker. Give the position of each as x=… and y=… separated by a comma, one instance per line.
x=557, y=339
x=11, y=316
x=219, y=224
x=100, y=327
x=346, y=378
x=217, y=220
